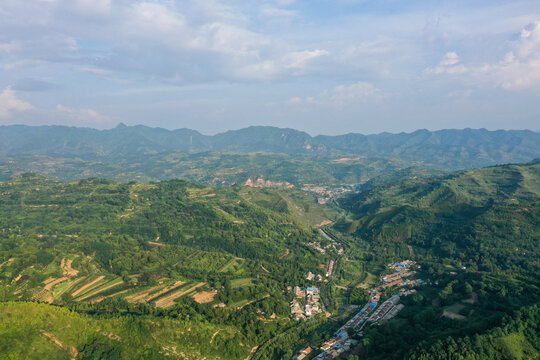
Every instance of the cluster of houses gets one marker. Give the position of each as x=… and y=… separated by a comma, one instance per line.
x=325, y=193
x=402, y=271
x=324, y=248
x=307, y=303
x=370, y=313
x=311, y=277
x=383, y=312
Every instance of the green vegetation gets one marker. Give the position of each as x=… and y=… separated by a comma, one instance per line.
x=209, y=168
x=101, y=269
x=476, y=235
x=172, y=250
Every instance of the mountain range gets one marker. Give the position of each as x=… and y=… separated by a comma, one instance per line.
x=442, y=149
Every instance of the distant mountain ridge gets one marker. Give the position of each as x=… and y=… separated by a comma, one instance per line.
x=442, y=149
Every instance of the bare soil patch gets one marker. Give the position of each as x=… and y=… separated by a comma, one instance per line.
x=204, y=297
x=169, y=300
x=286, y=253
x=325, y=222
x=67, y=269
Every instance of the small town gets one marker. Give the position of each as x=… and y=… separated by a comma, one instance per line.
x=371, y=313
x=325, y=193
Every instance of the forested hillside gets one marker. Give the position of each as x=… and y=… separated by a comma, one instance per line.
x=161, y=253
x=476, y=233
x=487, y=218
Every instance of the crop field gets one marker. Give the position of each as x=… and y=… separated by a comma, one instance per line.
x=169, y=299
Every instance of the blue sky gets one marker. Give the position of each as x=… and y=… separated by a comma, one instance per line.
x=323, y=66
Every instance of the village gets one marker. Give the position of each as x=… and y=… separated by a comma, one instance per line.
x=311, y=300
x=371, y=313
x=325, y=193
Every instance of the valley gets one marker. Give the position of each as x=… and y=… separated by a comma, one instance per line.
x=189, y=271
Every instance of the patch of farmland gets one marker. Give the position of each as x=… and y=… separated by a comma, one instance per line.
x=102, y=288
x=139, y=296
x=204, y=297
x=88, y=286
x=101, y=298
x=165, y=290
x=49, y=284
x=169, y=300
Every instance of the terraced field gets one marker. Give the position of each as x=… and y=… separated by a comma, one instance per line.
x=152, y=293
x=169, y=299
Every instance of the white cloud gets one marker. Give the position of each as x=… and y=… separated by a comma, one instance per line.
x=24, y=63
x=95, y=71
x=275, y=12
x=520, y=68
x=9, y=104
x=83, y=116
x=354, y=93
x=450, y=64
x=294, y=101
x=341, y=96
x=94, y=6
x=9, y=47
x=300, y=59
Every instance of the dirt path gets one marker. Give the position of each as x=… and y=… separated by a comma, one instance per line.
x=251, y=352
x=71, y=349
x=169, y=300
x=324, y=223
x=214, y=335
x=156, y=243
x=7, y=262
x=99, y=278
x=72, y=285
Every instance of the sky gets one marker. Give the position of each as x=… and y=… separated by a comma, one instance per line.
x=322, y=66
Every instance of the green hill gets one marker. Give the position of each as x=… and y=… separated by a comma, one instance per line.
x=172, y=260
x=481, y=217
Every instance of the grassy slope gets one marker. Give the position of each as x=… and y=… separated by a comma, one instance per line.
x=28, y=331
